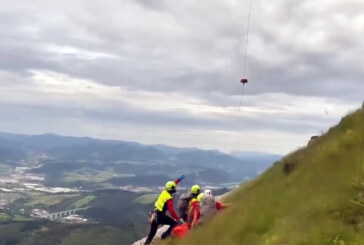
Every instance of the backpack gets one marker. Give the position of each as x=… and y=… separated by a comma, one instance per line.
x=207, y=207
x=182, y=204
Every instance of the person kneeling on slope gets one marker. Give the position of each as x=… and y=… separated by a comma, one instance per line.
x=185, y=201
x=207, y=207
x=159, y=217
x=193, y=204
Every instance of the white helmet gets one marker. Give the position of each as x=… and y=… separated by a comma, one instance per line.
x=208, y=192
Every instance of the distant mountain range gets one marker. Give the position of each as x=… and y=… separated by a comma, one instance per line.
x=255, y=156
x=77, y=158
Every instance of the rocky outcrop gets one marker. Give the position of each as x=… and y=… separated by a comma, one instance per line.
x=157, y=236
x=313, y=139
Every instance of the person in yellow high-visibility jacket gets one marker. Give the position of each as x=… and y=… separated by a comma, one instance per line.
x=159, y=217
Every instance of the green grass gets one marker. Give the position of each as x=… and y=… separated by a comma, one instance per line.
x=146, y=199
x=4, y=217
x=87, y=174
x=49, y=200
x=84, y=201
x=44, y=233
x=20, y=218
x=314, y=196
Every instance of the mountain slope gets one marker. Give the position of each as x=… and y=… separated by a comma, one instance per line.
x=314, y=196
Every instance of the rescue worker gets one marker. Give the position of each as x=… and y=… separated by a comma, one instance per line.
x=186, y=200
x=208, y=192
x=207, y=207
x=193, y=203
x=159, y=217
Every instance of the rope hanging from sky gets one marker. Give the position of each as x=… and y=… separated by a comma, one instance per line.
x=247, y=37
x=244, y=80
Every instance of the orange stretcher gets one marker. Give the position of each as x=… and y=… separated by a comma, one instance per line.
x=180, y=231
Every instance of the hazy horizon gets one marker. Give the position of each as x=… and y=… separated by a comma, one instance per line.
x=160, y=72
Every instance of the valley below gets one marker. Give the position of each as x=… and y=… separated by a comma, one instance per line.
x=82, y=188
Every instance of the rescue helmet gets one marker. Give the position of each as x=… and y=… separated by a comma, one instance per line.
x=171, y=186
x=208, y=192
x=199, y=197
x=195, y=189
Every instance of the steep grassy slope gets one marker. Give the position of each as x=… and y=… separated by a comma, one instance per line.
x=314, y=196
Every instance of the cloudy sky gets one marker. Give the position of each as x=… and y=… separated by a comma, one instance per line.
x=158, y=71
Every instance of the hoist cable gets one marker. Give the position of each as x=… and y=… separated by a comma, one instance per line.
x=247, y=36
x=245, y=61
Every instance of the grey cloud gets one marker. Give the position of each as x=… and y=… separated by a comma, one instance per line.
x=188, y=59
x=158, y=5
x=159, y=61
x=129, y=115
x=191, y=47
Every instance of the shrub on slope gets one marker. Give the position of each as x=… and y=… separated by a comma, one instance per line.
x=319, y=201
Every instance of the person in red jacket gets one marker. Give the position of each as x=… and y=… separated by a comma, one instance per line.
x=193, y=204
x=159, y=217
x=206, y=208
